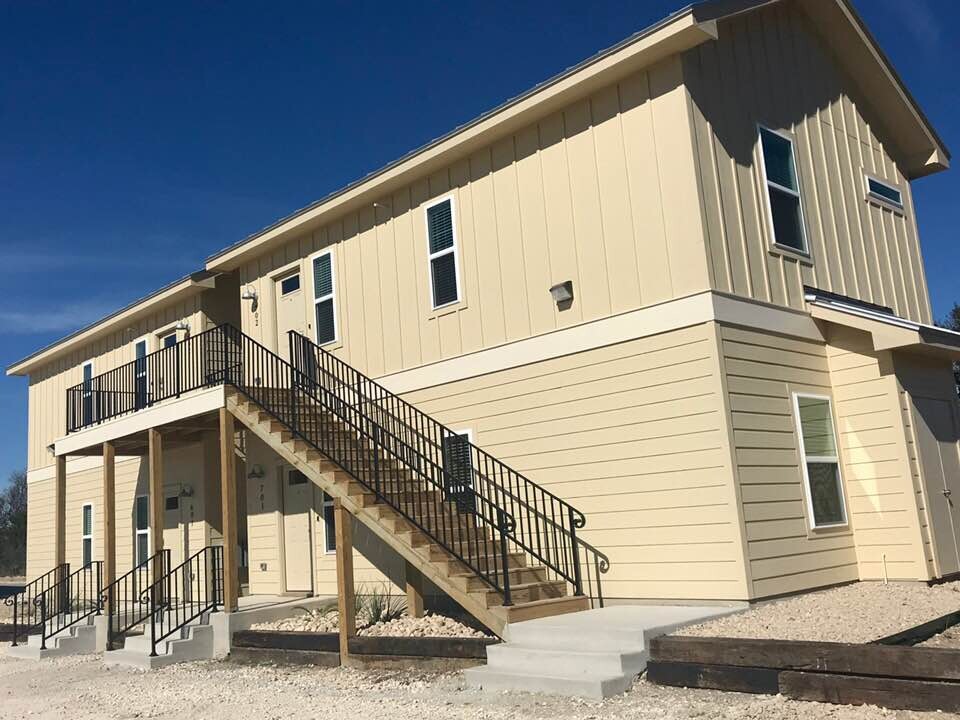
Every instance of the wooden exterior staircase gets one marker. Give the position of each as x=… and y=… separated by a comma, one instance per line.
x=533, y=593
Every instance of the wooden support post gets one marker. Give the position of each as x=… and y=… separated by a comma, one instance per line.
x=228, y=494
x=109, y=515
x=155, y=499
x=414, y=590
x=60, y=513
x=346, y=598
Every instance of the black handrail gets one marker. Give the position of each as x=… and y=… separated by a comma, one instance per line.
x=183, y=594
x=121, y=598
x=74, y=597
x=26, y=615
x=166, y=373
x=545, y=526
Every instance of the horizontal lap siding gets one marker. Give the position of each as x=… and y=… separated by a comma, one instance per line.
x=857, y=248
x=880, y=487
x=762, y=370
x=630, y=434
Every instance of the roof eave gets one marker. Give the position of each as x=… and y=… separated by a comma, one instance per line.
x=680, y=31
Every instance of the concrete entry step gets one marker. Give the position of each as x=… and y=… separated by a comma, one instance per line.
x=594, y=654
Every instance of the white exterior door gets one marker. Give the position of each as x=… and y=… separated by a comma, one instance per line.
x=290, y=310
x=297, y=541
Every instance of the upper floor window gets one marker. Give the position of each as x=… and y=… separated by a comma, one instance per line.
x=168, y=340
x=290, y=284
x=783, y=190
x=821, y=462
x=442, y=247
x=324, y=301
x=884, y=192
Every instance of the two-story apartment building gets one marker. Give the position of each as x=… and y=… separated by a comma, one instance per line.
x=669, y=307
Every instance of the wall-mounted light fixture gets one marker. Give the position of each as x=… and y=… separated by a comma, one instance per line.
x=186, y=491
x=256, y=472
x=563, y=294
x=250, y=293
x=182, y=326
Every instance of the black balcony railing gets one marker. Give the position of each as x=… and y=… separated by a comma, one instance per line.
x=199, y=361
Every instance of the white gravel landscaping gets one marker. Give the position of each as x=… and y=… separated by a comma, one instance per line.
x=326, y=621
x=81, y=688
x=856, y=613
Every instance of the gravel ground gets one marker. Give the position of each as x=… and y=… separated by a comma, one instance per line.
x=949, y=638
x=853, y=613
x=319, y=621
x=81, y=688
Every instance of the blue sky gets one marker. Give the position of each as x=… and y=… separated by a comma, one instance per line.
x=138, y=138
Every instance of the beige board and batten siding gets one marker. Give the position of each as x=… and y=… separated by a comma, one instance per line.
x=602, y=193
x=49, y=383
x=761, y=372
x=884, y=507
x=632, y=435
x=771, y=67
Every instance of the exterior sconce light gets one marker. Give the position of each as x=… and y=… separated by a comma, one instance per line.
x=563, y=294
x=186, y=491
x=182, y=326
x=250, y=293
x=256, y=472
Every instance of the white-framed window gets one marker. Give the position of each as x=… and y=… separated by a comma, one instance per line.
x=782, y=190
x=290, y=284
x=168, y=339
x=141, y=393
x=329, y=525
x=324, y=298
x=86, y=533
x=442, y=252
x=820, y=460
x=141, y=525
x=883, y=192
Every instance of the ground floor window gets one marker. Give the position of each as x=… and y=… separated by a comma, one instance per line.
x=329, y=525
x=87, y=533
x=142, y=528
x=821, y=462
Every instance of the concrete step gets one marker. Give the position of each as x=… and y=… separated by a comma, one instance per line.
x=84, y=638
x=537, y=661
x=594, y=687
x=196, y=645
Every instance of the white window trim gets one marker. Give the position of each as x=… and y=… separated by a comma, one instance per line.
x=880, y=199
x=83, y=537
x=804, y=458
x=455, y=249
x=136, y=531
x=86, y=392
x=767, y=184
x=325, y=502
x=331, y=296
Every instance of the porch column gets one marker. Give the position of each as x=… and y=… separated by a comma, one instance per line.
x=109, y=515
x=228, y=494
x=346, y=599
x=60, y=513
x=155, y=497
x=414, y=590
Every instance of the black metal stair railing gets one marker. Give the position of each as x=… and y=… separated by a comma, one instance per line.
x=544, y=526
x=25, y=610
x=120, y=600
x=74, y=597
x=189, y=591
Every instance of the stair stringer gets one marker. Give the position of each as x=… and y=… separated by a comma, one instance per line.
x=324, y=478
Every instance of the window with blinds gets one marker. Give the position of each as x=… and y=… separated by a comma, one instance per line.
x=142, y=528
x=87, y=534
x=444, y=263
x=821, y=466
x=324, y=303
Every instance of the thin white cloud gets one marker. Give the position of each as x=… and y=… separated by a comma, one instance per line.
x=919, y=19
x=61, y=319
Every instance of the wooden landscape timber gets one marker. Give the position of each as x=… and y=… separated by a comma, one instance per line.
x=889, y=672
